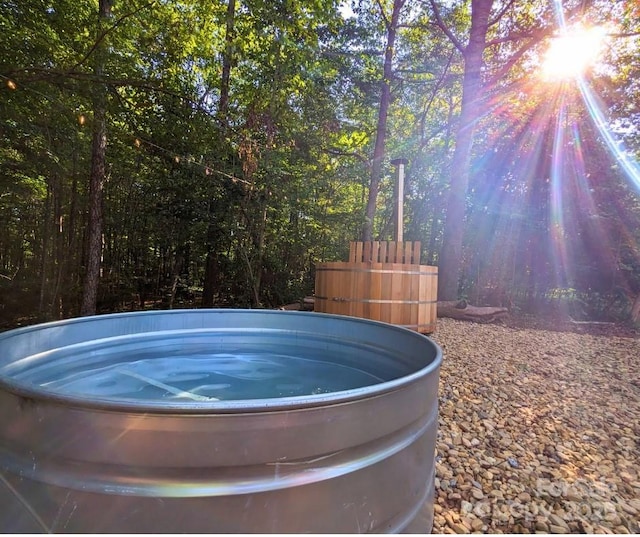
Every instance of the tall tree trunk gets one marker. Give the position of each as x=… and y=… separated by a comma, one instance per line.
x=227, y=61
x=60, y=252
x=44, y=277
x=211, y=270
x=383, y=112
x=71, y=274
x=98, y=169
x=260, y=243
x=178, y=267
x=450, y=262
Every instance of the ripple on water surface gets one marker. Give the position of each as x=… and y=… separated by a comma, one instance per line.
x=183, y=375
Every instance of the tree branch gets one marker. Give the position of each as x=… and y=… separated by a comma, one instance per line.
x=108, y=31
x=45, y=73
x=630, y=34
x=349, y=54
x=387, y=22
x=440, y=23
x=538, y=36
x=501, y=13
x=509, y=38
x=435, y=91
x=340, y=153
x=10, y=278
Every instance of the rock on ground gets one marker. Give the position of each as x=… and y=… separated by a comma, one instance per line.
x=539, y=431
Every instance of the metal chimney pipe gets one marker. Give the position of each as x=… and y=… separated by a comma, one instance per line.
x=399, y=163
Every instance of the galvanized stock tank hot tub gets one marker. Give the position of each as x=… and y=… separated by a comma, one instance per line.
x=217, y=421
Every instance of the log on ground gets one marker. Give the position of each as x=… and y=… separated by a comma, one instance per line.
x=466, y=312
x=306, y=304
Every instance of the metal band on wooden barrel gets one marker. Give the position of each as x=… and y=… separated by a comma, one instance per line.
x=375, y=301
x=377, y=271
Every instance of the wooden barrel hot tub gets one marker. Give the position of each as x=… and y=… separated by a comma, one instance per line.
x=382, y=281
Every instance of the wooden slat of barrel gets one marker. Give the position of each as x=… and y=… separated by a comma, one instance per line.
x=429, y=295
x=415, y=258
x=358, y=288
x=344, y=304
x=433, y=297
x=391, y=252
x=366, y=252
x=382, y=253
x=407, y=253
x=375, y=251
x=423, y=296
x=375, y=289
x=359, y=249
x=414, y=308
x=399, y=293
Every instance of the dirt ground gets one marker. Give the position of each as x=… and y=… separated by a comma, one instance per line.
x=539, y=428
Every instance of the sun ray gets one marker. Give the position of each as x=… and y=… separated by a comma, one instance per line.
x=561, y=257
x=622, y=156
x=627, y=162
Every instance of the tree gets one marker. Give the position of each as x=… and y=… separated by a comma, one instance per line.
x=451, y=256
x=391, y=26
x=523, y=31
x=212, y=271
x=244, y=132
x=98, y=167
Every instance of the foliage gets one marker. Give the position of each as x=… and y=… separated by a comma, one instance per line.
x=279, y=182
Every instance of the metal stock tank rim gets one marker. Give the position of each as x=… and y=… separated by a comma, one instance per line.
x=36, y=393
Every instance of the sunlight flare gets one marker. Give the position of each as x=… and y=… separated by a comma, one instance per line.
x=571, y=54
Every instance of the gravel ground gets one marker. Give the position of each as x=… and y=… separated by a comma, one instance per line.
x=539, y=431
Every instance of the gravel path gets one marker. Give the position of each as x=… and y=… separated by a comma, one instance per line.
x=539, y=431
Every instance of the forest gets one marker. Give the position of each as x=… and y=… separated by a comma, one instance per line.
x=209, y=153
